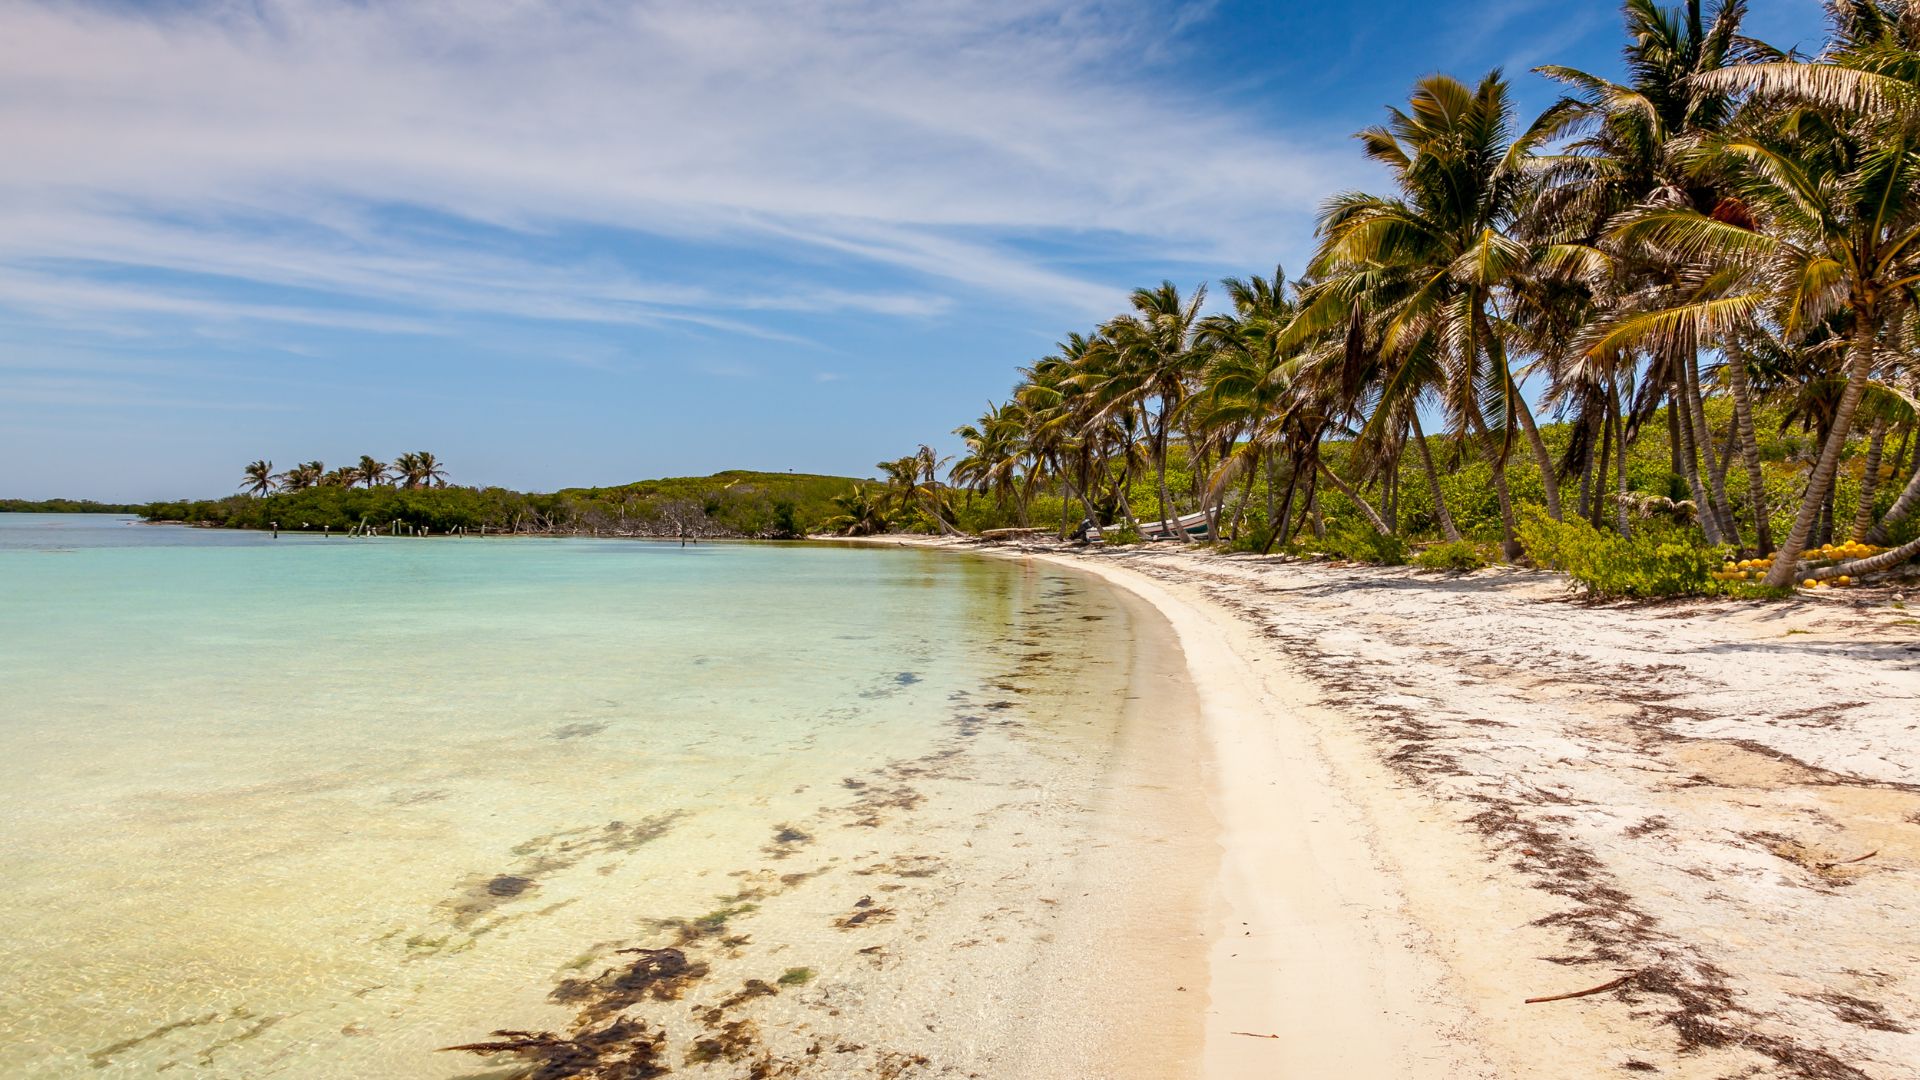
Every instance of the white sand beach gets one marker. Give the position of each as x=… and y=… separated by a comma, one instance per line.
x=1440, y=796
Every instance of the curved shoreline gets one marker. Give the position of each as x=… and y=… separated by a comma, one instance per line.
x=1470, y=830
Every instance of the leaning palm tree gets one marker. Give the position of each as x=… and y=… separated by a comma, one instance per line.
x=912, y=486
x=259, y=478
x=860, y=514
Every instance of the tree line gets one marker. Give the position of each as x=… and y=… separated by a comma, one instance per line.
x=1723, y=241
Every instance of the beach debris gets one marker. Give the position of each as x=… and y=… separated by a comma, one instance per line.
x=865, y=912
x=1589, y=991
x=625, y=1048
x=786, y=841
x=659, y=975
x=508, y=885
x=1251, y=1035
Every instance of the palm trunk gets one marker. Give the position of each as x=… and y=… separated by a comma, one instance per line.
x=1715, y=486
x=1510, y=545
x=1902, y=506
x=1549, y=476
x=1366, y=509
x=1602, y=474
x=1673, y=440
x=1160, y=467
x=1592, y=459
x=1273, y=481
x=1277, y=521
x=1246, y=496
x=1728, y=527
x=1750, y=450
x=1869, y=481
x=1065, y=501
x=1391, y=493
x=1440, y=512
x=1820, y=482
x=1690, y=460
x=1621, y=520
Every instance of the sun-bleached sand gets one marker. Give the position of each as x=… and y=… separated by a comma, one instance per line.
x=1440, y=796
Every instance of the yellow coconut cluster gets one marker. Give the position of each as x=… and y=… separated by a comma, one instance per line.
x=1756, y=569
x=1840, y=552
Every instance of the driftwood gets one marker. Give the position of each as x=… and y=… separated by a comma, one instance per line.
x=1251, y=1035
x=1847, y=862
x=1589, y=991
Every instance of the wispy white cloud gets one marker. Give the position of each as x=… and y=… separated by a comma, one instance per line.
x=271, y=141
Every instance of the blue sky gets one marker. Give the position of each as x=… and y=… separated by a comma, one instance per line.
x=585, y=243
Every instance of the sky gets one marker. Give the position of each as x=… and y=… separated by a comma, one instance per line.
x=581, y=243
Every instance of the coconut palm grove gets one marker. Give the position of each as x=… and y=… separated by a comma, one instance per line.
x=1661, y=335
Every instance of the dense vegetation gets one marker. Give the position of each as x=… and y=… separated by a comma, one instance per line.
x=727, y=504
x=1702, y=278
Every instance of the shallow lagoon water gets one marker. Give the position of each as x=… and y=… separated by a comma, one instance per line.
x=322, y=807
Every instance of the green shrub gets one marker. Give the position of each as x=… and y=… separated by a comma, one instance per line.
x=1252, y=538
x=1364, y=545
x=1453, y=555
x=1659, y=559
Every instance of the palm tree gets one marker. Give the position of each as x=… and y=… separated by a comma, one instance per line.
x=343, y=477
x=996, y=448
x=303, y=476
x=419, y=469
x=860, y=514
x=371, y=470
x=259, y=478
x=912, y=486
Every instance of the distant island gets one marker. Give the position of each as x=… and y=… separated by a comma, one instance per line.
x=736, y=504
x=413, y=496
x=65, y=506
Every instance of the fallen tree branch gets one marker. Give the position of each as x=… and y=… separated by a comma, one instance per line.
x=1589, y=991
x=1846, y=862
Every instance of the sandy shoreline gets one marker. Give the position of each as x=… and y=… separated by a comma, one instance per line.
x=1438, y=797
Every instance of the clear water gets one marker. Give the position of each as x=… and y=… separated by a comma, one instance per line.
x=319, y=808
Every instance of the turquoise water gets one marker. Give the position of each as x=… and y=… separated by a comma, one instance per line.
x=321, y=807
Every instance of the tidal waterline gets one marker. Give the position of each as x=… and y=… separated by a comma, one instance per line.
x=321, y=808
